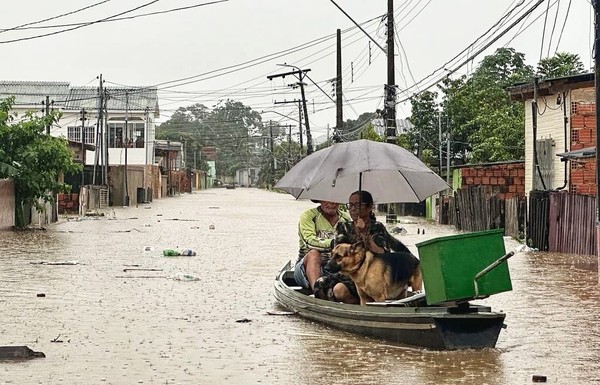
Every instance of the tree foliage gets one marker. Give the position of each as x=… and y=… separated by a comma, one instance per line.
x=560, y=65
x=235, y=130
x=423, y=138
x=484, y=124
x=32, y=159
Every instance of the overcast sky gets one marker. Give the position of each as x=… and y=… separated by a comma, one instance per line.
x=226, y=49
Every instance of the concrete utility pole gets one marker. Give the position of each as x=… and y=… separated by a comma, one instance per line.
x=390, y=87
x=440, y=141
x=46, y=105
x=126, y=144
x=300, y=73
x=83, y=119
x=597, y=90
x=339, y=121
x=98, y=153
x=272, y=154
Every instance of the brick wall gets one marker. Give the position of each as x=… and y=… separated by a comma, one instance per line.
x=68, y=203
x=583, y=134
x=505, y=180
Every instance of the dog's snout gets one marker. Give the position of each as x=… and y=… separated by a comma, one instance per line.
x=333, y=266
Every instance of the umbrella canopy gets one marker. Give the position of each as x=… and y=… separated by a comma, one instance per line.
x=389, y=172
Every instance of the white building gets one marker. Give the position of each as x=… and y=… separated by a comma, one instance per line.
x=135, y=108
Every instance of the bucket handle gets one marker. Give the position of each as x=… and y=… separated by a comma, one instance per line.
x=488, y=269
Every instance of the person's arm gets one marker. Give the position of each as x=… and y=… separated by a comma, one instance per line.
x=307, y=229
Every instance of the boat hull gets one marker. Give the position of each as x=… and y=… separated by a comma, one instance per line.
x=433, y=327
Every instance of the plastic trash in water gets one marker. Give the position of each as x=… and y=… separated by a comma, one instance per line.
x=399, y=230
x=175, y=253
x=185, y=277
x=525, y=249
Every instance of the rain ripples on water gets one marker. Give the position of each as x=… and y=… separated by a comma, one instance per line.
x=115, y=315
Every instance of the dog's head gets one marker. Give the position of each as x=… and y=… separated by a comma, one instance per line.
x=346, y=258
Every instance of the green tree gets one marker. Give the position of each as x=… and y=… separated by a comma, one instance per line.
x=423, y=138
x=235, y=130
x=32, y=159
x=559, y=65
x=481, y=116
x=187, y=125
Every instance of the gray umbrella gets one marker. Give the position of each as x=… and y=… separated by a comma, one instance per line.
x=389, y=172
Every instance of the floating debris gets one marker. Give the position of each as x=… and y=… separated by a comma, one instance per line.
x=55, y=263
x=185, y=277
x=18, y=353
x=274, y=312
x=399, y=230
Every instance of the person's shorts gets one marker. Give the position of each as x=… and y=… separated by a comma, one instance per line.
x=300, y=274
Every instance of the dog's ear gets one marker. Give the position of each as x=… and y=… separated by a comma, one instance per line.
x=354, y=246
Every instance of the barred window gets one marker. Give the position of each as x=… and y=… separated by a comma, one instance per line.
x=74, y=134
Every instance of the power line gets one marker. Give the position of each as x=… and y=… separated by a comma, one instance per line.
x=78, y=26
x=122, y=18
x=52, y=18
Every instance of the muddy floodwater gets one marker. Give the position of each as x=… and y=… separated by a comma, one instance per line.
x=120, y=314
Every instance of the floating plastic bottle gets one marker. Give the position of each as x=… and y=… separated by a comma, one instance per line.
x=170, y=253
x=185, y=277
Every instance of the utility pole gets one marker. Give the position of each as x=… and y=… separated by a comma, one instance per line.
x=299, y=118
x=105, y=127
x=98, y=153
x=390, y=88
x=440, y=141
x=272, y=154
x=126, y=143
x=339, y=121
x=289, y=147
x=46, y=111
x=300, y=73
x=597, y=90
x=83, y=119
x=448, y=155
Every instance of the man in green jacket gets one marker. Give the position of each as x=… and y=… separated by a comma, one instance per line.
x=316, y=230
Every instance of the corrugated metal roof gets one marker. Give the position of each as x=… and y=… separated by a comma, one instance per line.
x=33, y=92
x=30, y=93
x=119, y=99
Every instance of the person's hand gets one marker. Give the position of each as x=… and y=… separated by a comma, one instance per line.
x=360, y=225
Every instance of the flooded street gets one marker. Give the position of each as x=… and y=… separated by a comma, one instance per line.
x=119, y=317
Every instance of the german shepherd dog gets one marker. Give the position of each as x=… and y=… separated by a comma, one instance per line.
x=378, y=277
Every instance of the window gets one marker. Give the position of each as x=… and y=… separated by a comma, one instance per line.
x=134, y=135
x=74, y=134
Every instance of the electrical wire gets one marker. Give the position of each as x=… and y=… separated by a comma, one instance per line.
x=127, y=17
x=79, y=26
x=20, y=27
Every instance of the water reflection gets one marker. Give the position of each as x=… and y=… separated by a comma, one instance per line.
x=347, y=358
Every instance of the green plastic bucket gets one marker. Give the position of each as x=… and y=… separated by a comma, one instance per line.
x=450, y=264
